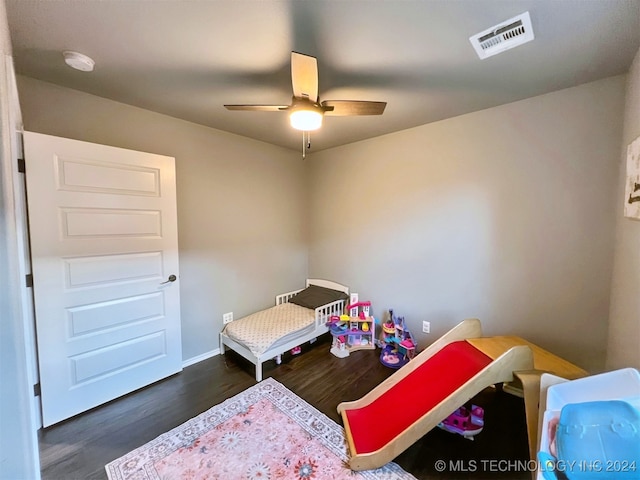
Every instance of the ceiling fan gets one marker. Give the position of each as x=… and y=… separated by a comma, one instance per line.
x=306, y=110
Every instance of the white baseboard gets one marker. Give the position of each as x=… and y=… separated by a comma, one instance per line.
x=199, y=358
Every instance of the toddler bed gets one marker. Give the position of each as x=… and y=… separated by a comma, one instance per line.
x=298, y=316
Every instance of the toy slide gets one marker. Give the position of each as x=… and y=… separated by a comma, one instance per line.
x=420, y=395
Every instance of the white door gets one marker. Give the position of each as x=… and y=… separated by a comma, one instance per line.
x=104, y=245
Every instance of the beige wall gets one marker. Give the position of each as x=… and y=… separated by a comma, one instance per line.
x=504, y=214
x=241, y=203
x=624, y=320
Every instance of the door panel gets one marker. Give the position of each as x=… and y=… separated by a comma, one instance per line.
x=103, y=226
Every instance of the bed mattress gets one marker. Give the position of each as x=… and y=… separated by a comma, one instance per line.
x=268, y=328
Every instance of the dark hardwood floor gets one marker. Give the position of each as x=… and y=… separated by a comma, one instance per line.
x=80, y=447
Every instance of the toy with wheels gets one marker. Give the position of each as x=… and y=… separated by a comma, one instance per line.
x=465, y=422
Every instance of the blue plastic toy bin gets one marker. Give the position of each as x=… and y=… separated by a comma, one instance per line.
x=597, y=436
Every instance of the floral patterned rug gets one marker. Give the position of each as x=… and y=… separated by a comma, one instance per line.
x=265, y=432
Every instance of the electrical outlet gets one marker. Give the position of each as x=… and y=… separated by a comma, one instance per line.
x=227, y=318
x=426, y=327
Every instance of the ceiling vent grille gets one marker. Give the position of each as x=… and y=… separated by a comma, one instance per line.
x=502, y=37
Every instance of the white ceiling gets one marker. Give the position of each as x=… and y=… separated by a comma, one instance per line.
x=186, y=58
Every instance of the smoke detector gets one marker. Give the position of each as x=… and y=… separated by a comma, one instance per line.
x=78, y=61
x=504, y=36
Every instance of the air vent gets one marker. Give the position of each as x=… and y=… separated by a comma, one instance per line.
x=508, y=34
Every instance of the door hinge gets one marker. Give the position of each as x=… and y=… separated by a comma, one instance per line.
x=36, y=390
x=28, y=279
x=22, y=166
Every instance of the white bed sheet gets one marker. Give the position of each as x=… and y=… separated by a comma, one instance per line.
x=264, y=329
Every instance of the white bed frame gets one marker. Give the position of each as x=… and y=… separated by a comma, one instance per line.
x=322, y=315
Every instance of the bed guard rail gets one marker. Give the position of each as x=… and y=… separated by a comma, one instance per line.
x=324, y=313
x=284, y=297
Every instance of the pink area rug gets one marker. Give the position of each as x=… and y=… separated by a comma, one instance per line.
x=265, y=432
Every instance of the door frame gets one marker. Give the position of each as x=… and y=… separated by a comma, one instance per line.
x=23, y=454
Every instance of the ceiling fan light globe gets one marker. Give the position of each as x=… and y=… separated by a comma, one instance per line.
x=306, y=120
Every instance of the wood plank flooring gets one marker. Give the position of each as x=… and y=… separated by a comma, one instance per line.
x=80, y=447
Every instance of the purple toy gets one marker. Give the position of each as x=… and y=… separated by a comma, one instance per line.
x=465, y=422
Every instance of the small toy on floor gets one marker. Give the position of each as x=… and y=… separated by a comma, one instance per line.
x=398, y=346
x=296, y=350
x=465, y=422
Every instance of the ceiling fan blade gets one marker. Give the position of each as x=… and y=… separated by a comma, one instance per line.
x=258, y=108
x=353, y=107
x=304, y=76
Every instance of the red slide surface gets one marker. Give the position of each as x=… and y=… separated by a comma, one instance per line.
x=375, y=425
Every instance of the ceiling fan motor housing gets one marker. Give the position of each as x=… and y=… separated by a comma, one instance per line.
x=305, y=115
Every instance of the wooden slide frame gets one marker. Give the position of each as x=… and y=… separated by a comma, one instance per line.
x=527, y=382
x=501, y=369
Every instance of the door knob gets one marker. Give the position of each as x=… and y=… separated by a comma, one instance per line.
x=172, y=278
